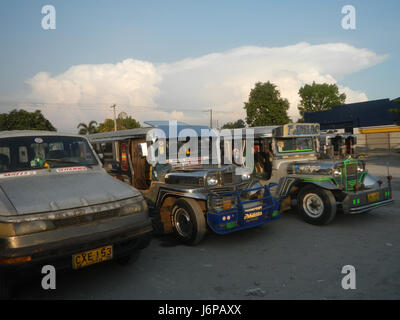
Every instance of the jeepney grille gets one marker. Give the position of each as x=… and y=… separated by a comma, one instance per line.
x=86, y=218
x=219, y=190
x=349, y=176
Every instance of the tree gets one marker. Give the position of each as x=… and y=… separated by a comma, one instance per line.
x=87, y=128
x=319, y=97
x=265, y=106
x=24, y=120
x=123, y=123
x=234, y=125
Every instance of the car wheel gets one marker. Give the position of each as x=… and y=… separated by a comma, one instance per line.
x=188, y=221
x=316, y=205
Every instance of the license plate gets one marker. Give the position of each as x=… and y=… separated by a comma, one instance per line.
x=373, y=197
x=90, y=257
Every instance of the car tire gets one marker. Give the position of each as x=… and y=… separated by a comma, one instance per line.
x=188, y=221
x=316, y=205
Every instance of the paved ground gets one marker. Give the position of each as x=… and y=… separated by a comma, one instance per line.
x=286, y=259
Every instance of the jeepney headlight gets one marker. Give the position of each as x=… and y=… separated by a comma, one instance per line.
x=33, y=227
x=336, y=172
x=245, y=177
x=212, y=181
x=134, y=208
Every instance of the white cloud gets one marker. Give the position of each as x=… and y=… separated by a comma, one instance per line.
x=221, y=81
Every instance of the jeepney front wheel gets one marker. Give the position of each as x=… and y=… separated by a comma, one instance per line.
x=316, y=205
x=188, y=221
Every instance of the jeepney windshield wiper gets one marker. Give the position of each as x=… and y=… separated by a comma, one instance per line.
x=70, y=162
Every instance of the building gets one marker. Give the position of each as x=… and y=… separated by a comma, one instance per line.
x=370, y=121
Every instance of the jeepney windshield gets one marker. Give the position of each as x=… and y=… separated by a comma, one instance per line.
x=34, y=152
x=288, y=145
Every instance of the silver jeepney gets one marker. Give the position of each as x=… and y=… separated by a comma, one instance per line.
x=289, y=156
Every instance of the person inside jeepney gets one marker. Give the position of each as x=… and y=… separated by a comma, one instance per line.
x=263, y=161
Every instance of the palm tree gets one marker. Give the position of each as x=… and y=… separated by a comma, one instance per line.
x=87, y=128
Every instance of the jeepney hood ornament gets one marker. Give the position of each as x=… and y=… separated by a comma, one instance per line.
x=73, y=190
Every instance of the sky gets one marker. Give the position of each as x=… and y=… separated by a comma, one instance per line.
x=175, y=59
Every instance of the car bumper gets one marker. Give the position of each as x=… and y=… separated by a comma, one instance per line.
x=362, y=201
x=56, y=247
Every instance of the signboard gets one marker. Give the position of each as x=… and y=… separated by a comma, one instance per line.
x=297, y=130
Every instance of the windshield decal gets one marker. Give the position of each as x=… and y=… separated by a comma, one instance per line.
x=71, y=169
x=17, y=174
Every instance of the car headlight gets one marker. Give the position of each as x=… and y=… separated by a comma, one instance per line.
x=134, y=208
x=212, y=181
x=246, y=176
x=33, y=227
x=7, y=230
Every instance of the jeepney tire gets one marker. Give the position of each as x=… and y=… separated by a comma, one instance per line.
x=319, y=194
x=197, y=218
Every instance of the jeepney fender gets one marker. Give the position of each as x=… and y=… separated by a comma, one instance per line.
x=163, y=206
x=164, y=193
x=286, y=183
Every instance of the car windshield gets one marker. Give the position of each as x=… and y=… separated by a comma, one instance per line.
x=33, y=152
x=294, y=145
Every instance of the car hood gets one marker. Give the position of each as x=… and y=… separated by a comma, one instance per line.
x=52, y=192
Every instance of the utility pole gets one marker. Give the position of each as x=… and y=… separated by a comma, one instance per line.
x=211, y=121
x=116, y=146
x=115, y=117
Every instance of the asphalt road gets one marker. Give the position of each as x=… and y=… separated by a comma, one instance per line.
x=285, y=259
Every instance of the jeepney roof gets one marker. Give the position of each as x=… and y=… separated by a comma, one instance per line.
x=142, y=132
x=259, y=132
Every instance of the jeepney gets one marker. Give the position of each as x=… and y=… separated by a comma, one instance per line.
x=185, y=196
x=335, y=144
x=288, y=156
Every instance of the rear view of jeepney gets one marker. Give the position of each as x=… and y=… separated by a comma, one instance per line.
x=58, y=206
